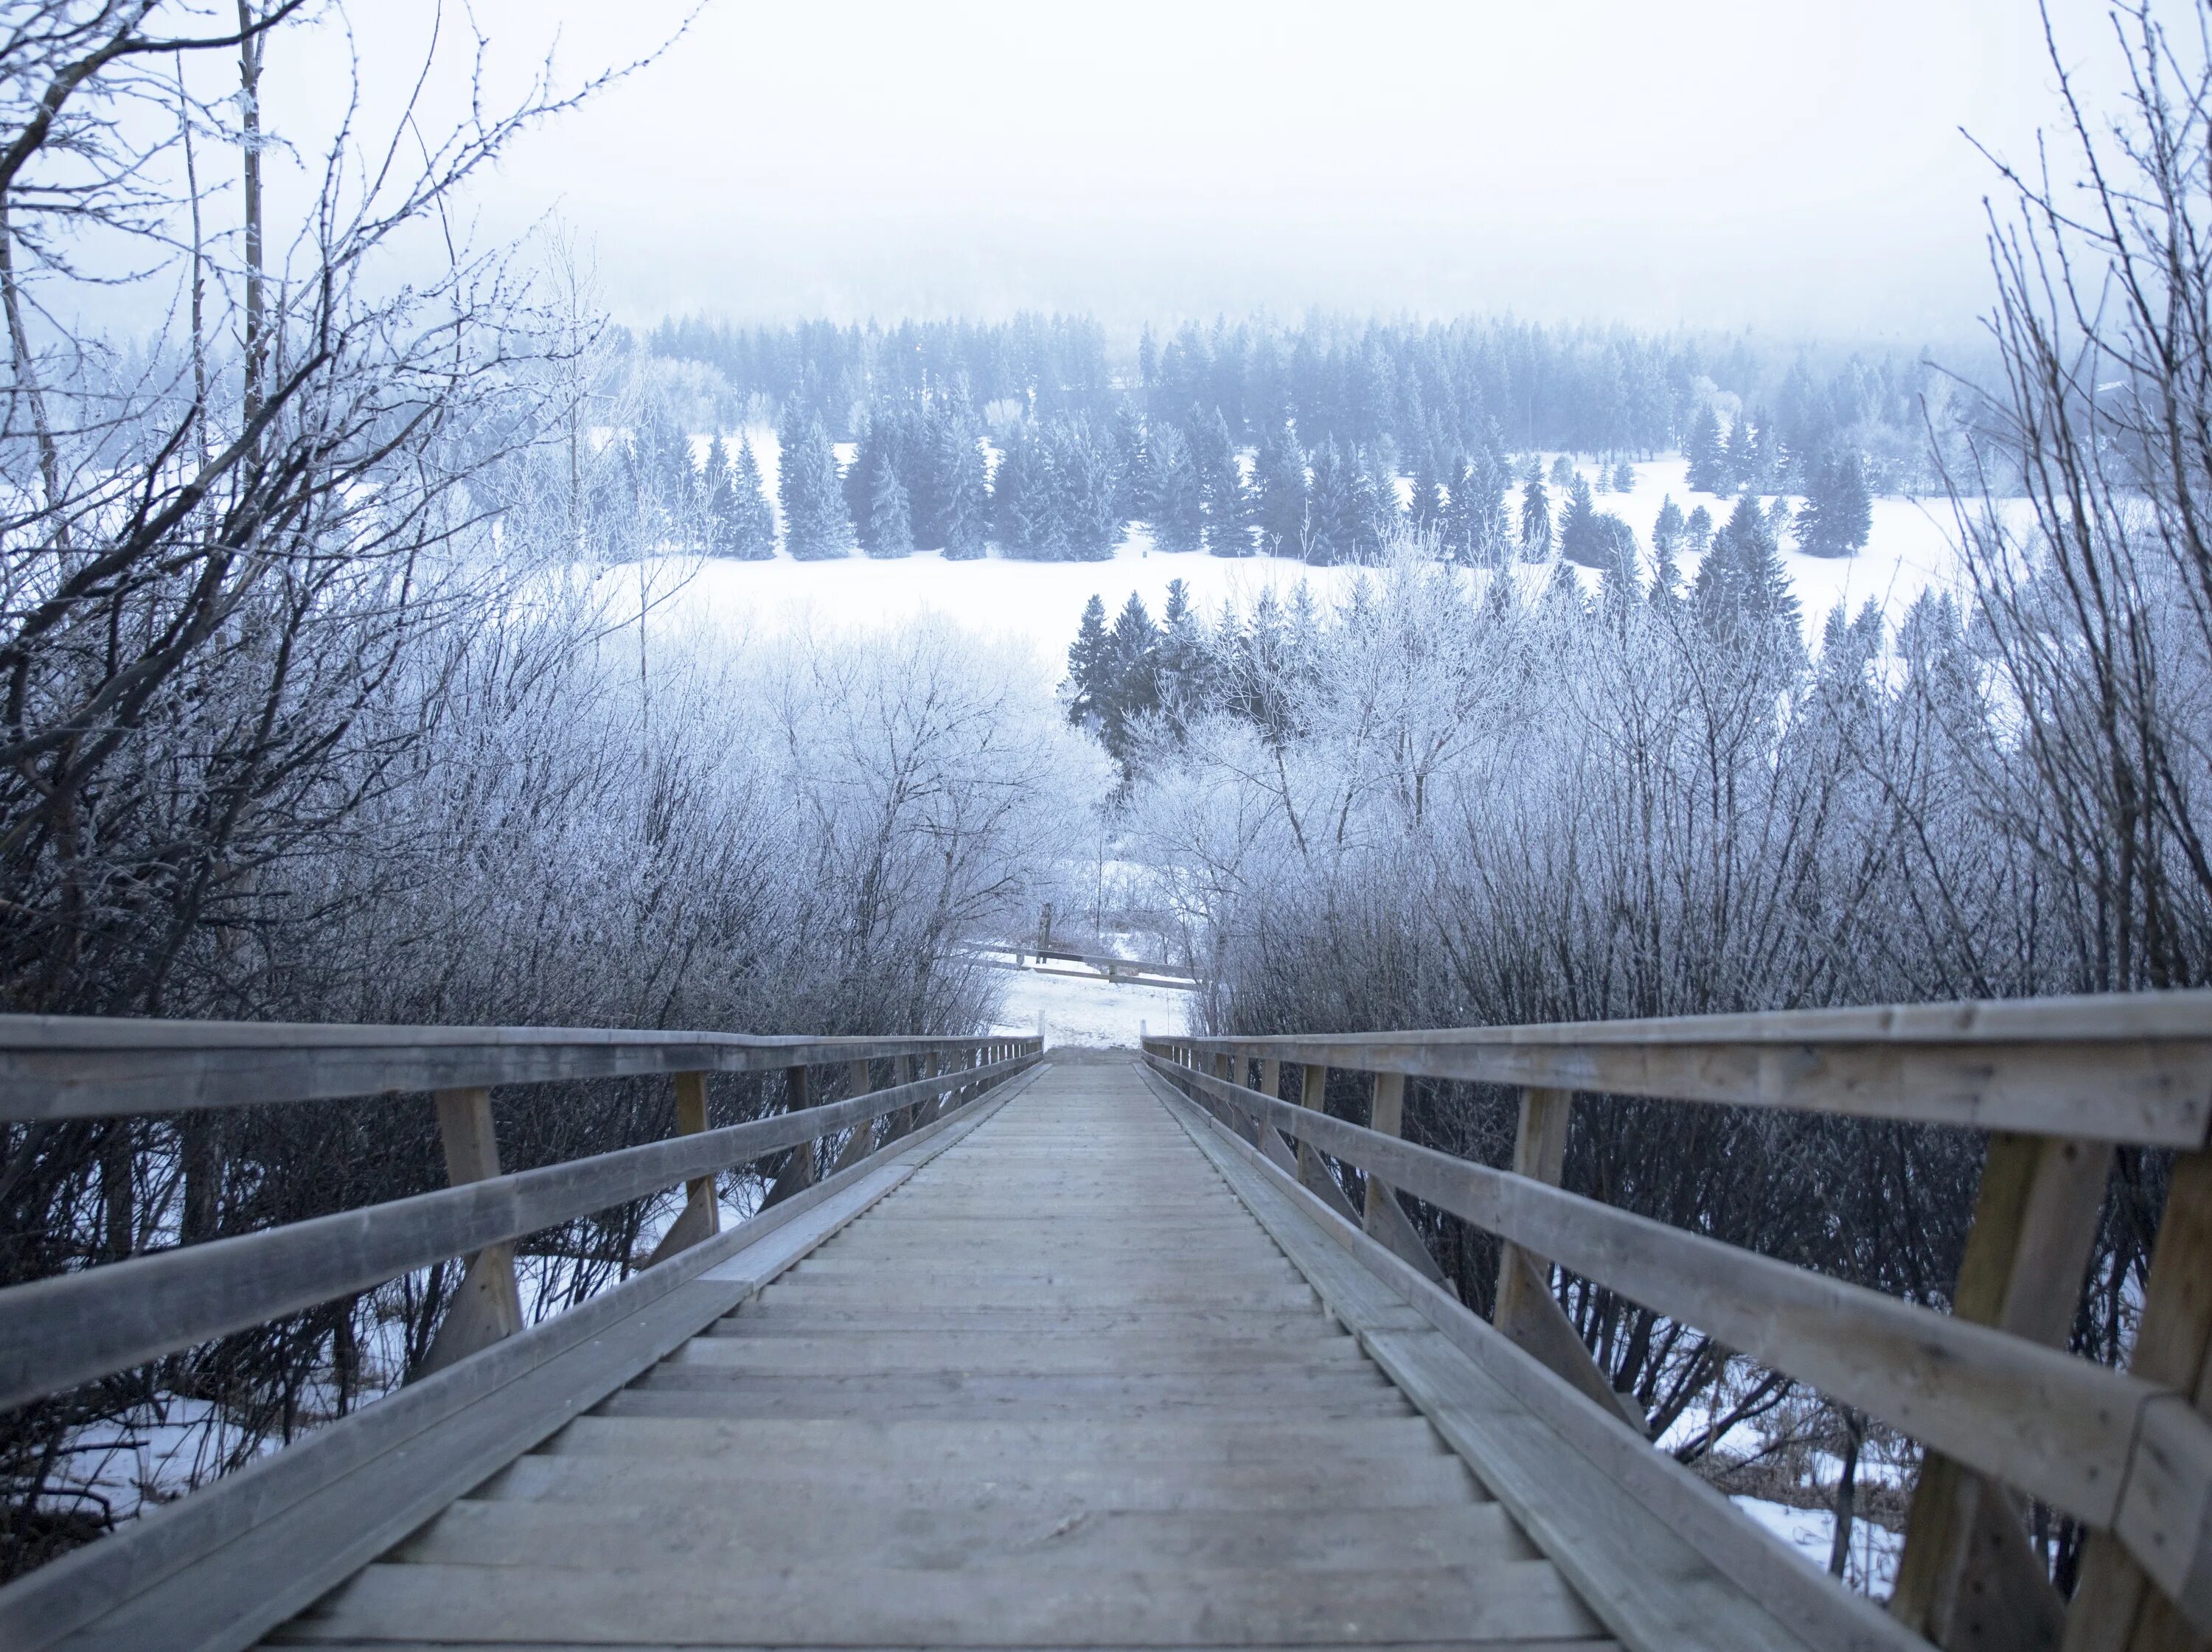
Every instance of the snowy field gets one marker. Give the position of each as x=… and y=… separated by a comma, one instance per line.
x=1070, y=1005
x=1041, y=603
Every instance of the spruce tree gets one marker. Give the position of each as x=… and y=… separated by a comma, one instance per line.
x=1333, y=510
x=1279, y=481
x=1087, y=680
x=1535, y=522
x=1178, y=504
x=751, y=525
x=964, y=482
x=1708, y=455
x=1698, y=531
x=889, y=527
x=1667, y=531
x=1563, y=473
x=1132, y=663
x=1579, y=536
x=1624, y=477
x=1427, y=507
x=1082, y=474
x=815, y=522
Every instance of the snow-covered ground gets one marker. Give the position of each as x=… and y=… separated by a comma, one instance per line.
x=1871, y=1566
x=1069, y=1004
x=1041, y=603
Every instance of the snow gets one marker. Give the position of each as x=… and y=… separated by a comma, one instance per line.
x=1071, y=1006
x=1041, y=603
x=1872, y=1566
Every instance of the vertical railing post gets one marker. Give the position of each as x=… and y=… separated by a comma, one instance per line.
x=798, y=1172
x=1385, y=1219
x=701, y=1216
x=1525, y=1310
x=908, y=1117
x=488, y=1305
x=2115, y=1607
x=862, y=1140
x=1968, y=1574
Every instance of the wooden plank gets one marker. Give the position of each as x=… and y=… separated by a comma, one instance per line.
x=217, y=1569
x=862, y=1140
x=91, y=1066
x=2116, y=1606
x=487, y=1306
x=1621, y=1576
x=853, y=1605
x=1968, y=1578
x=490, y=1533
x=2055, y=1426
x=56, y=1332
x=2123, y=1067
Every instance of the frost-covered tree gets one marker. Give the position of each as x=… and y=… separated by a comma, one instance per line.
x=816, y=525
x=1178, y=518
x=1535, y=521
x=1279, y=488
x=1708, y=455
x=1837, y=515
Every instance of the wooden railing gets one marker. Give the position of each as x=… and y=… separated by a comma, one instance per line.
x=1988, y=1388
x=74, y=1327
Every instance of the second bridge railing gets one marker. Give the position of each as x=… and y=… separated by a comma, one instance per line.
x=1989, y=1389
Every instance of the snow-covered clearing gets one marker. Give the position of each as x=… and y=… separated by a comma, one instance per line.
x=1871, y=1566
x=1070, y=1005
x=1039, y=604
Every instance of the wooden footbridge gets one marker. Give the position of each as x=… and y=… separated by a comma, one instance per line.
x=1031, y=1349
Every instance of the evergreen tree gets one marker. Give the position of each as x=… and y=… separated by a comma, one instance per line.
x=889, y=530
x=964, y=491
x=815, y=522
x=1742, y=590
x=1698, y=531
x=1579, y=535
x=1743, y=456
x=1535, y=522
x=1377, y=518
x=1184, y=670
x=1084, y=475
x=1837, y=514
x=1221, y=483
x=1562, y=472
x=1132, y=667
x=1667, y=531
x=1280, y=483
x=1133, y=466
x=1708, y=455
x=1332, y=508
x=1088, y=683
x=1426, y=509
x=742, y=524
x=1624, y=477
x=1178, y=503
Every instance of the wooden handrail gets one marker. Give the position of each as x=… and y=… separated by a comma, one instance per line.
x=93, y=1066
x=2128, y=1457
x=71, y=1329
x=2120, y=1067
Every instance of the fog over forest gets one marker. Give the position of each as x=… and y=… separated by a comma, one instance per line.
x=1424, y=518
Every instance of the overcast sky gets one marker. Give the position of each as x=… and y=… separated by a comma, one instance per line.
x=1781, y=164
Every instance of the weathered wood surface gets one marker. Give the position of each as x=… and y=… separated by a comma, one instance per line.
x=92, y=1066
x=2124, y=1067
x=2050, y=1424
x=1059, y=1389
x=1658, y=1554
x=55, y=1332
x=213, y=1570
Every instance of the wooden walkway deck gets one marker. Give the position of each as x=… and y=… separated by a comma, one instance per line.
x=1062, y=1387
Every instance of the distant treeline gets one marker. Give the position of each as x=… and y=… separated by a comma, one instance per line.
x=1405, y=389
